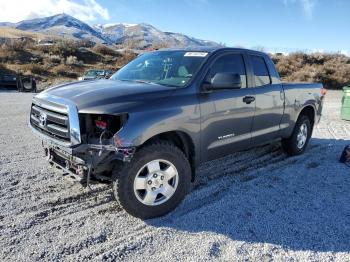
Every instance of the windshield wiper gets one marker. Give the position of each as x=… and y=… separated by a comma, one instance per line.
x=143, y=82
x=169, y=85
x=147, y=82
x=137, y=81
x=154, y=83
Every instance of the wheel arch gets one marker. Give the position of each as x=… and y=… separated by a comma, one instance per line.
x=310, y=112
x=307, y=109
x=183, y=141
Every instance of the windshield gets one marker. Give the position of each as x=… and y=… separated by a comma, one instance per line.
x=170, y=68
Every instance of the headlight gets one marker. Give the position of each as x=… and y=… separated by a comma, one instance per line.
x=101, y=126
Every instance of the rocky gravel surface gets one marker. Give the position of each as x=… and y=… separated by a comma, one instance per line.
x=256, y=205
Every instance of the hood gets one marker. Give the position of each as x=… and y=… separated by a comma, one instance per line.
x=90, y=95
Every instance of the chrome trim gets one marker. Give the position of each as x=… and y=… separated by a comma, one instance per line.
x=63, y=120
x=64, y=106
x=60, y=129
x=49, y=138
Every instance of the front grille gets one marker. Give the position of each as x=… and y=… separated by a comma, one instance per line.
x=52, y=123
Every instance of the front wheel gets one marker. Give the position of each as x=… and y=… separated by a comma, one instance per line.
x=154, y=182
x=297, y=143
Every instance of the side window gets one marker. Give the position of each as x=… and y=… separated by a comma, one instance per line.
x=275, y=78
x=261, y=73
x=232, y=63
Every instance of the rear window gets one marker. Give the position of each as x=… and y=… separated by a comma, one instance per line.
x=261, y=72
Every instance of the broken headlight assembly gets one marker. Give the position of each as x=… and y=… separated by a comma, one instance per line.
x=100, y=128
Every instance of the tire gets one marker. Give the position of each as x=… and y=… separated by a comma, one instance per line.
x=27, y=85
x=146, y=189
x=296, y=145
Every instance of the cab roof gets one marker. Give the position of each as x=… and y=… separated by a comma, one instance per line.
x=210, y=49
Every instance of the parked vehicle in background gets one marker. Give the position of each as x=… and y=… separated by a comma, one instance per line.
x=96, y=74
x=12, y=80
x=152, y=123
x=8, y=79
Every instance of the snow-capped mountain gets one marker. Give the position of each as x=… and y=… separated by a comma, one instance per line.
x=120, y=33
x=59, y=25
x=148, y=35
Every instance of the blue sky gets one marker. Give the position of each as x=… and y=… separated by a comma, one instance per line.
x=276, y=25
x=282, y=25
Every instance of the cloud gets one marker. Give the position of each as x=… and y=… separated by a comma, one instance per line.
x=344, y=52
x=85, y=10
x=307, y=5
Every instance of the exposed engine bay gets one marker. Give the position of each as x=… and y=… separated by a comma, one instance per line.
x=99, y=152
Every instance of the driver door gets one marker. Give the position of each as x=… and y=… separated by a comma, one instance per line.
x=226, y=115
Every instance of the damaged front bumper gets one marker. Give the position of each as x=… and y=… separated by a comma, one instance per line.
x=86, y=160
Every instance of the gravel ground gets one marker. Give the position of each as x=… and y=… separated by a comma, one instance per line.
x=257, y=205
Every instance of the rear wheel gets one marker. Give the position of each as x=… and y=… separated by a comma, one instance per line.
x=297, y=143
x=154, y=182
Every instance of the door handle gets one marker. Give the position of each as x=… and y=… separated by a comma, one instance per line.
x=248, y=99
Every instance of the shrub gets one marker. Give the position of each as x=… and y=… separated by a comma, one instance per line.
x=64, y=71
x=34, y=69
x=3, y=67
x=333, y=70
x=85, y=43
x=56, y=59
x=72, y=60
x=104, y=50
x=87, y=56
x=63, y=48
x=45, y=49
x=13, y=45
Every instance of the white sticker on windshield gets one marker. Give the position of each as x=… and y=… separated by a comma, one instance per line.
x=196, y=54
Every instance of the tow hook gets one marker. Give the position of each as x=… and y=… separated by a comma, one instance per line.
x=47, y=154
x=67, y=164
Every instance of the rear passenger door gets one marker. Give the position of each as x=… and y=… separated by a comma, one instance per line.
x=269, y=97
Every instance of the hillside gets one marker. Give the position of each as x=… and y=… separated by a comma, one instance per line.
x=10, y=32
x=64, y=60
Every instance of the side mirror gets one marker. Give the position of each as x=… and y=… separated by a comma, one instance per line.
x=226, y=81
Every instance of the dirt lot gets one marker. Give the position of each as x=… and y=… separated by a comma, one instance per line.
x=257, y=205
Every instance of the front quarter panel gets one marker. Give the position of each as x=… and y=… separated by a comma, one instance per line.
x=179, y=112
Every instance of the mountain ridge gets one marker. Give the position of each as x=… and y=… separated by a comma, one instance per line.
x=142, y=34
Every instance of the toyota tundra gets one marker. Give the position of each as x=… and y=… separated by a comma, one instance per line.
x=149, y=126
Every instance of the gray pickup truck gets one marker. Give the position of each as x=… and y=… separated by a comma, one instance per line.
x=153, y=122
